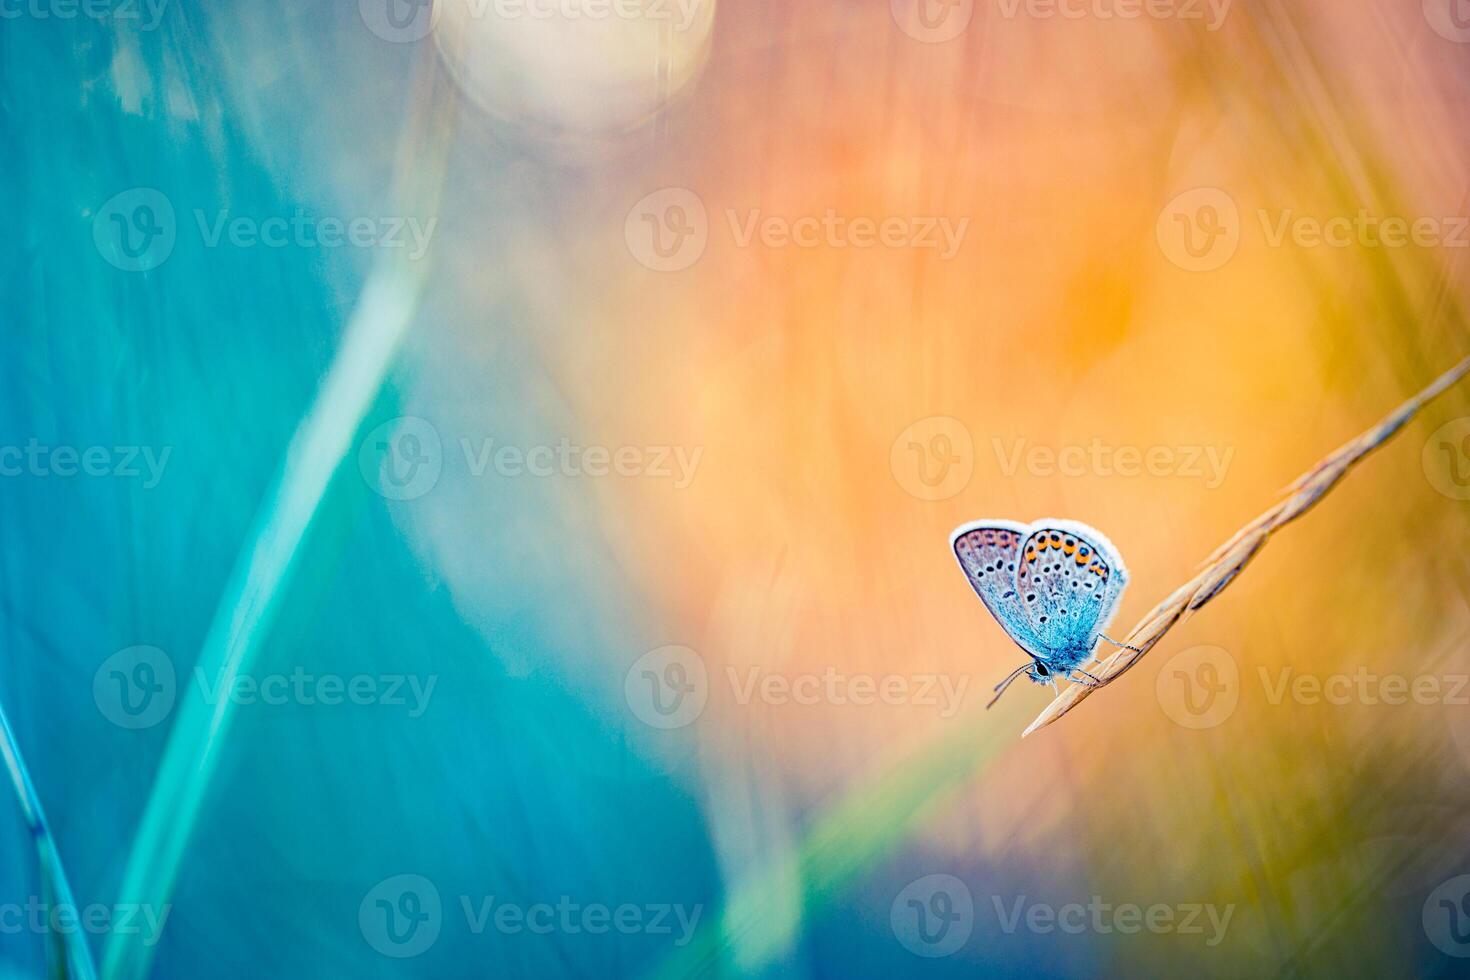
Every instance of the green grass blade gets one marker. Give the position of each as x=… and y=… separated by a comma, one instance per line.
x=69, y=954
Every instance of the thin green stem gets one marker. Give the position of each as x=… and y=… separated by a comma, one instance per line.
x=78, y=955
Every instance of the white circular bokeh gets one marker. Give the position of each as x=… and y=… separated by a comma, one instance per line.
x=560, y=72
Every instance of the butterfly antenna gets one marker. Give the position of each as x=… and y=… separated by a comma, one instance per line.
x=1125, y=646
x=1001, y=687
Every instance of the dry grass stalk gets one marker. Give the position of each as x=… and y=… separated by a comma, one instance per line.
x=1220, y=569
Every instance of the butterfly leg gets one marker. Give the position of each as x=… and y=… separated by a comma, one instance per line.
x=1115, y=643
x=1090, y=681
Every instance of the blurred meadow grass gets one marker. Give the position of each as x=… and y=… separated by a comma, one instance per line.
x=1067, y=324
x=1059, y=322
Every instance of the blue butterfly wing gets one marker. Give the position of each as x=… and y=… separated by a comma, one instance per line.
x=1070, y=579
x=988, y=552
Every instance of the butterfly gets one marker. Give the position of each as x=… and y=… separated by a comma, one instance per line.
x=1053, y=586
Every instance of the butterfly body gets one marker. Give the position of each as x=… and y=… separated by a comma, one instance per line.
x=1052, y=585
